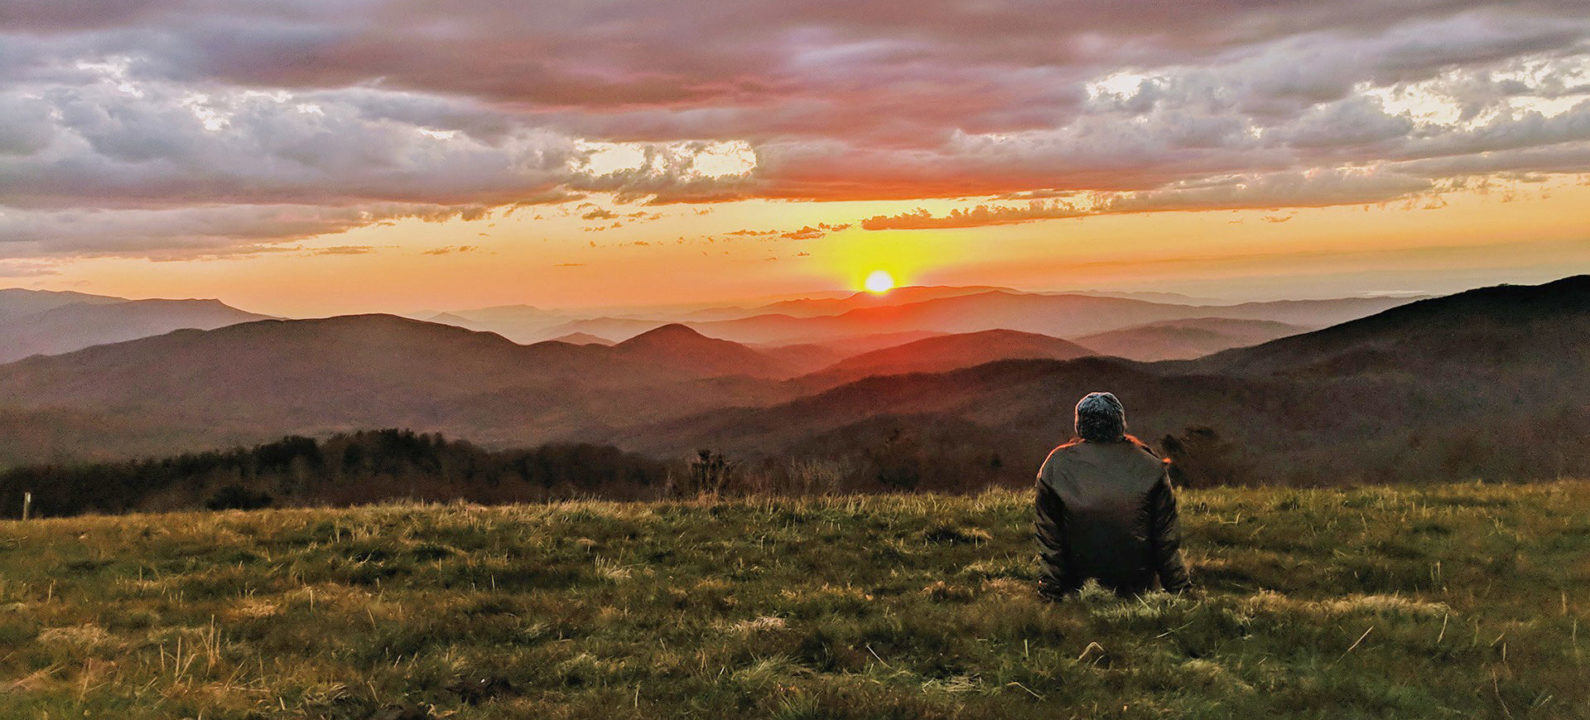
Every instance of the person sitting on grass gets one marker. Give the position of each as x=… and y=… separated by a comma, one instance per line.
x=1106, y=510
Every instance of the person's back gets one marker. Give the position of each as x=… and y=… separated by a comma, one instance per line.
x=1106, y=510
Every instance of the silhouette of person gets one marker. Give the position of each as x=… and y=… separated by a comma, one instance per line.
x=1105, y=510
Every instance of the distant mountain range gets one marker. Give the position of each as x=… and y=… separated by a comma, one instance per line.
x=1063, y=316
x=258, y=379
x=16, y=302
x=947, y=310
x=1491, y=380
x=48, y=323
x=817, y=307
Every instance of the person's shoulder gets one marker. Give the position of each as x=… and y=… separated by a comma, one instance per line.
x=1145, y=457
x=1069, y=448
x=1142, y=447
x=1059, y=455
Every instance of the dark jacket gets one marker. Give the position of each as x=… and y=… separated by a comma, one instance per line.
x=1106, y=511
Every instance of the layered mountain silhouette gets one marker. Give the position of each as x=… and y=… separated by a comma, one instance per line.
x=520, y=323
x=679, y=347
x=1491, y=381
x=943, y=310
x=279, y=376
x=579, y=338
x=55, y=323
x=816, y=307
x=15, y=302
x=1063, y=316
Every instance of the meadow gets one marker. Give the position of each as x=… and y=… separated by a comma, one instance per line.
x=1458, y=600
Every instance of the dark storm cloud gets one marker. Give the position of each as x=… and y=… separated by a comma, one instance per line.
x=200, y=120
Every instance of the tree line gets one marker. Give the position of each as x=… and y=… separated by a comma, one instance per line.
x=344, y=469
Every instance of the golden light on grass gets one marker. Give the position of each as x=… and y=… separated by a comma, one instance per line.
x=879, y=282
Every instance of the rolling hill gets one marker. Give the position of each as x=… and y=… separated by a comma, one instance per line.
x=1490, y=382
x=265, y=378
x=681, y=348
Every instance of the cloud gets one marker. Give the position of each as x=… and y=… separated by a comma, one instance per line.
x=190, y=232
x=1272, y=190
x=201, y=124
x=27, y=268
x=980, y=216
x=450, y=249
x=344, y=250
x=811, y=232
x=805, y=233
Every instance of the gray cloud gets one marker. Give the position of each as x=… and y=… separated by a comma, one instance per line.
x=1314, y=188
x=167, y=126
x=210, y=230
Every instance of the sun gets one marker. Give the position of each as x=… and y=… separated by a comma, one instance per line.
x=879, y=282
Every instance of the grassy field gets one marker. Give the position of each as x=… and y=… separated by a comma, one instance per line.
x=1451, y=601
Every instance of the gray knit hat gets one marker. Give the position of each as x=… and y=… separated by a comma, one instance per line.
x=1101, y=417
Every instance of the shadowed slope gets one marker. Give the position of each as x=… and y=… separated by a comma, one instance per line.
x=1496, y=331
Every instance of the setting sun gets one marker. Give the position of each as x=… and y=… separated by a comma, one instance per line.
x=879, y=282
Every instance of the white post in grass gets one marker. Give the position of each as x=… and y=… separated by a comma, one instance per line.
x=27, y=502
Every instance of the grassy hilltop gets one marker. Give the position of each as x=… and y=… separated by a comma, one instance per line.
x=1448, y=601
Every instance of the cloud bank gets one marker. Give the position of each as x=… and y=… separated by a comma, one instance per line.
x=166, y=126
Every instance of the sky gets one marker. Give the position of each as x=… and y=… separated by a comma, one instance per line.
x=308, y=157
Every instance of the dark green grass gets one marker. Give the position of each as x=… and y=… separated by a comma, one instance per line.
x=1454, y=601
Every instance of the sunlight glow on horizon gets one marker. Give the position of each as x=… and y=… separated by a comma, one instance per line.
x=879, y=282
x=540, y=256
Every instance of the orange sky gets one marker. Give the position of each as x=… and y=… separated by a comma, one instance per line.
x=634, y=152
x=1472, y=239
